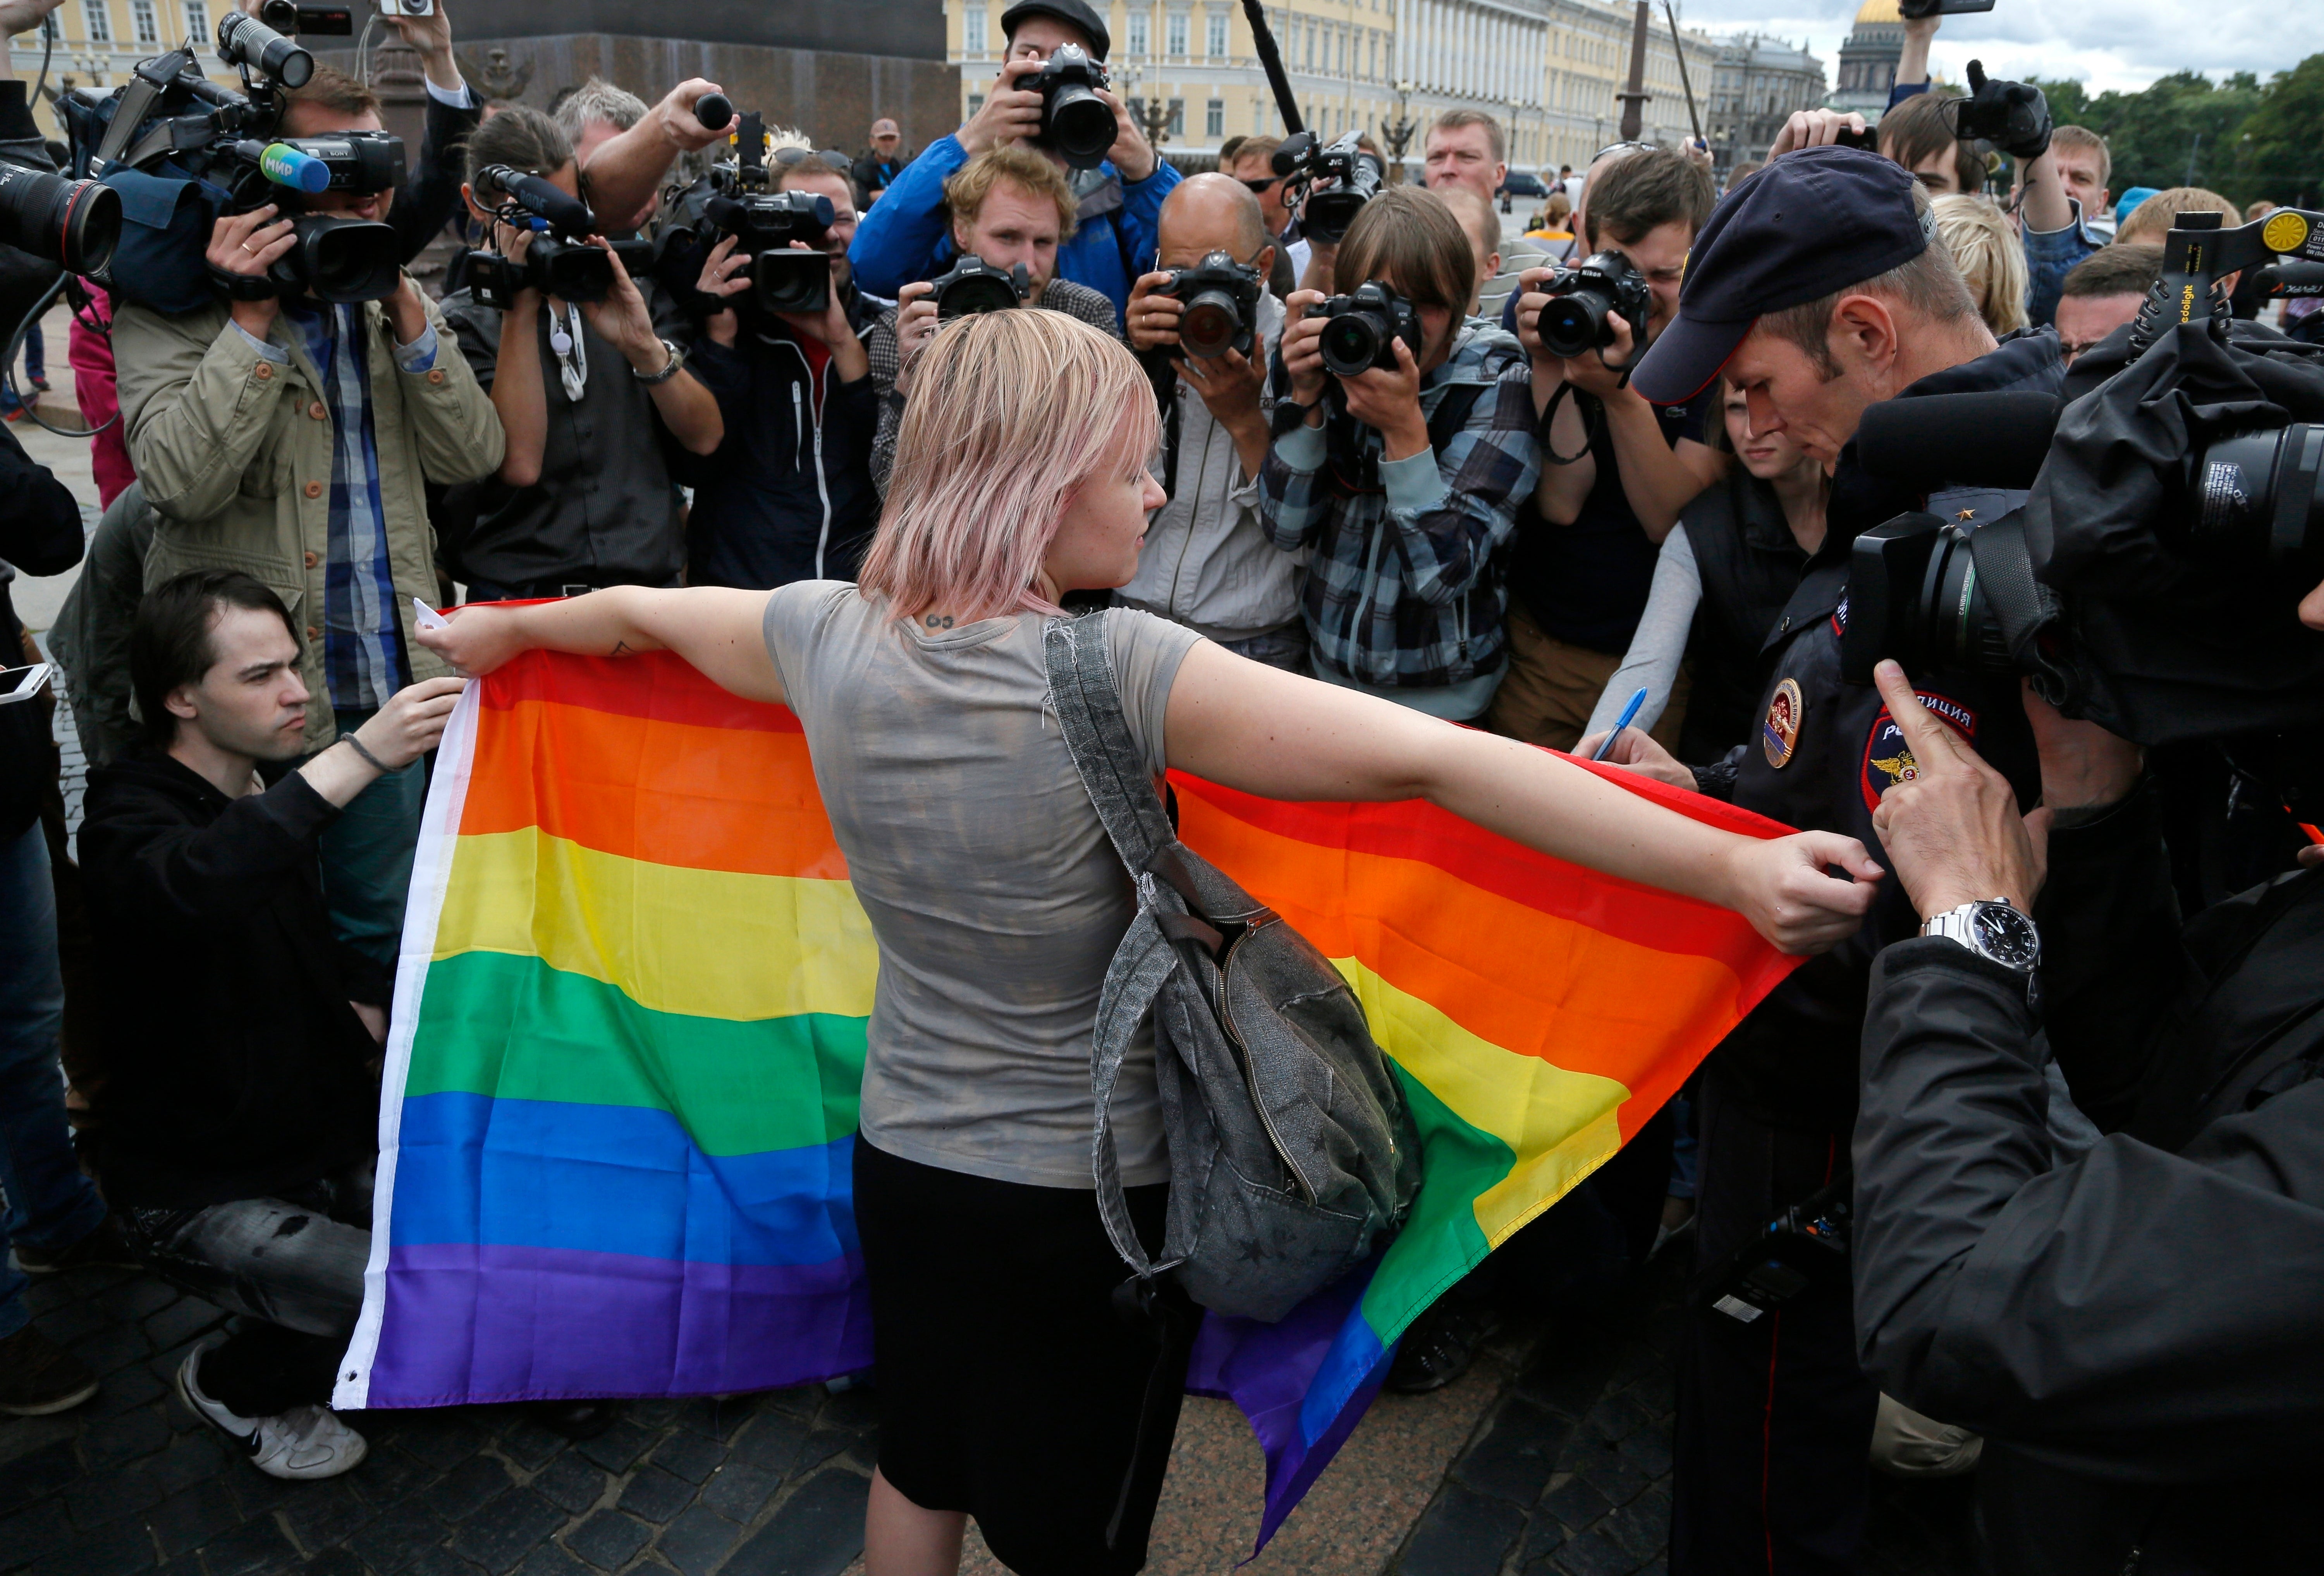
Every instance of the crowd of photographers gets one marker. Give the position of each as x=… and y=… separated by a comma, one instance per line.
x=2027, y=1177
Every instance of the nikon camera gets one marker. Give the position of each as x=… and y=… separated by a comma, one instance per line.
x=1586, y=299
x=1363, y=327
x=1218, y=300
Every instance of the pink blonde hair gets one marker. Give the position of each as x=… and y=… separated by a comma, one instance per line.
x=1010, y=414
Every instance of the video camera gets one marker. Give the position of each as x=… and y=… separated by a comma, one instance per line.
x=2175, y=517
x=737, y=197
x=1219, y=305
x=1325, y=211
x=1585, y=300
x=192, y=151
x=1361, y=329
x=1075, y=121
x=562, y=261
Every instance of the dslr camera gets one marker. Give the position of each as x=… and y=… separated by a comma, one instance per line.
x=1327, y=185
x=738, y=197
x=2169, y=530
x=1361, y=329
x=1587, y=299
x=1075, y=121
x=1218, y=300
x=562, y=261
x=974, y=285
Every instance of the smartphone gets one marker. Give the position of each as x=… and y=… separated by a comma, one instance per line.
x=22, y=683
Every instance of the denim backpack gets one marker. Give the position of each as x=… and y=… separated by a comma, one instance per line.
x=1293, y=1154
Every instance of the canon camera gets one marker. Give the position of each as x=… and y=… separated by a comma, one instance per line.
x=1219, y=305
x=972, y=285
x=1075, y=121
x=1362, y=329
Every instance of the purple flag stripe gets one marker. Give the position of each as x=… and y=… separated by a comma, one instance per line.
x=466, y=1323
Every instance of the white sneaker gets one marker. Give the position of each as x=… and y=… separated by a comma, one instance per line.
x=304, y=1442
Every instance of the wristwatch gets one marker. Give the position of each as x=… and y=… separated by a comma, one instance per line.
x=669, y=368
x=1994, y=931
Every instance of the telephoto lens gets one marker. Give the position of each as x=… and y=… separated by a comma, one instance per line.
x=2257, y=499
x=244, y=41
x=71, y=223
x=1075, y=120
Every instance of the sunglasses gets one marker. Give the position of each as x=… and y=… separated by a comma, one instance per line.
x=1261, y=188
x=787, y=157
x=1632, y=147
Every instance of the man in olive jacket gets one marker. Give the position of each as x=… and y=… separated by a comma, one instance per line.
x=290, y=439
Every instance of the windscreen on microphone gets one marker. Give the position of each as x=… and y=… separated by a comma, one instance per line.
x=567, y=215
x=1973, y=440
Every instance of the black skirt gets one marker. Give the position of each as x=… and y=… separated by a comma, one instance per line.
x=1013, y=1384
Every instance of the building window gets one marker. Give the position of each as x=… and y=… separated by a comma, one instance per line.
x=1177, y=125
x=1138, y=24
x=1175, y=35
x=97, y=20
x=975, y=103
x=1214, y=44
x=1214, y=118
x=140, y=16
x=972, y=30
x=198, y=21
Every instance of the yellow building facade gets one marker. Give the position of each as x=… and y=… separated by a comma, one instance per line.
x=97, y=44
x=1550, y=69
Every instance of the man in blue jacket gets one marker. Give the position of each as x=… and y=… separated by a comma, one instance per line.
x=905, y=236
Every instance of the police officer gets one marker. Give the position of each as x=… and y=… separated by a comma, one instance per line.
x=1814, y=323
x=2139, y=1329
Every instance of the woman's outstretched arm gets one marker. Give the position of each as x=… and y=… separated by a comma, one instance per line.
x=1266, y=732
x=715, y=629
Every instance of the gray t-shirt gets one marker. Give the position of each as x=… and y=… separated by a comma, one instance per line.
x=996, y=898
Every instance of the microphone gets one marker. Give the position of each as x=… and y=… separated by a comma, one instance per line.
x=1974, y=440
x=568, y=216
x=714, y=110
x=286, y=166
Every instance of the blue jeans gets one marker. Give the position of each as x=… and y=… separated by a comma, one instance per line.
x=50, y=1204
x=366, y=856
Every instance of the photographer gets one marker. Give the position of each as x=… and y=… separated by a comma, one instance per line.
x=1208, y=563
x=583, y=497
x=292, y=438
x=1813, y=325
x=2138, y=1330
x=1465, y=152
x=1010, y=207
x=1252, y=164
x=1402, y=480
x=788, y=495
x=1116, y=205
x=1585, y=551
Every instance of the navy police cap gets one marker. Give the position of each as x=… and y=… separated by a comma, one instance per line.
x=1810, y=224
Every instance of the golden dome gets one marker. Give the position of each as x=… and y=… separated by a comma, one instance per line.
x=1878, y=11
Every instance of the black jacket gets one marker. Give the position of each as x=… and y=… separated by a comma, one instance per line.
x=235, y=1069
x=2138, y=1330
x=39, y=534
x=788, y=495
x=1795, y=1057
x=1749, y=564
x=432, y=194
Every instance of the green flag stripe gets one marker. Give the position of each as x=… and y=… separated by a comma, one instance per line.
x=512, y=1028
x=1441, y=1241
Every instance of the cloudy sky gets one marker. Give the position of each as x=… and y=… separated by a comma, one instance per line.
x=2106, y=43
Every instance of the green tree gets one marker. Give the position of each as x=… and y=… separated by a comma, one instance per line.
x=2070, y=102
x=2176, y=126
x=2280, y=151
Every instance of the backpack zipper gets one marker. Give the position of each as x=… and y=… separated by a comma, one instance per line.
x=1242, y=1051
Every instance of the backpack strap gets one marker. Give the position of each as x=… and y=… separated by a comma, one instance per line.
x=1113, y=772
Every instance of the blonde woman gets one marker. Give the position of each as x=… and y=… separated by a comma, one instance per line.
x=1009, y=1388
x=1990, y=256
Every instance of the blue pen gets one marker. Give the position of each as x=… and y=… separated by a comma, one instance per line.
x=1629, y=715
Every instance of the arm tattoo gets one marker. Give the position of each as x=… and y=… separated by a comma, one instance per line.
x=621, y=649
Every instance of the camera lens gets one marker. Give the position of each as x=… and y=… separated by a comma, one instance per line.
x=1328, y=214
x=975, y=292
x=2257, y=497
x=1573, y=324
x=1960, y=633
x=571, y=271
x=74, y=223
x=344, y=260
x=1350, y=343
x=1210, y=324
x=789, y=281
x=1081, y=126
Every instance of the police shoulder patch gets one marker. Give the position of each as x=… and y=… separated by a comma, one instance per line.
x=1889, y=759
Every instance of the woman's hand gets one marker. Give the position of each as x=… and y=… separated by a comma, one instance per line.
x=1303, y=351
x=477, y=639
x=1635, y=749
x=1781, y=887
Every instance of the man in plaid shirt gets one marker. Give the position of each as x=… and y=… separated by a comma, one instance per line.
x=1404, y=484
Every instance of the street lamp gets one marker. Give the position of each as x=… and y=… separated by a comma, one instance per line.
x=1399, y=135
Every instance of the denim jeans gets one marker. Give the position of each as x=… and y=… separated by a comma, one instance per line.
x=50, y=1204
x=366, y=856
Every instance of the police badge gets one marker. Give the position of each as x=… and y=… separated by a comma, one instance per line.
x=1781, y=730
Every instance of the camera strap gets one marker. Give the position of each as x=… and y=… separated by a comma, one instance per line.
x=241, y=287
x=1593, y=421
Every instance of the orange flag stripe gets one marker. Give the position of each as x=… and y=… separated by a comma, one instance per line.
x=654, y=789
x=1532, y=984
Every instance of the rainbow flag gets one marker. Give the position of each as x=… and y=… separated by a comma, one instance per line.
x=629, y=1032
